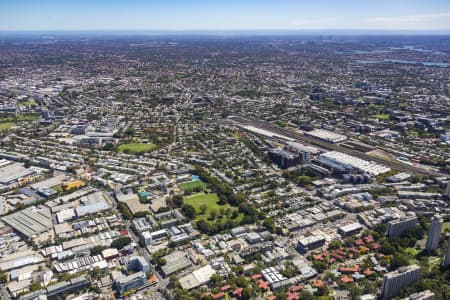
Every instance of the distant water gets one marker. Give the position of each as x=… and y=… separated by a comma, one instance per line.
x=409, y=62
x=363, y=52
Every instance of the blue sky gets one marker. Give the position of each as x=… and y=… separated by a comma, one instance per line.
x=224, y=15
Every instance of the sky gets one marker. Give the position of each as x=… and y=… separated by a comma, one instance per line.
x=174, y=15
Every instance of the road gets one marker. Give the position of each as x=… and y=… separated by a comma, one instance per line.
x=397, y=165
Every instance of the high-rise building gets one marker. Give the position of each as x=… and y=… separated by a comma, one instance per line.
x=447, y=254
x=398, y=226
x=434, y=233
x=394, y=281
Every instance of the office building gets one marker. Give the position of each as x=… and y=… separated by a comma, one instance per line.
x=394, y=281
x=434, y=233
x=126, y=283
x=138, y=263
x=398, y=226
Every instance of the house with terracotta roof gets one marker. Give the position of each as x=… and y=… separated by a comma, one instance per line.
x=218, y=296
x=346, y=279
x=292, y=296
x=349, y=270
x=238, y=292
x=296, y=288
x=264, y=285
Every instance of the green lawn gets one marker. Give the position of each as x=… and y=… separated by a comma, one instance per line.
x=212, y=204
x=446, y=226
x=30, y=102
x=381, y=117
x=192, y=185
x=137, y=148
x=20, y=118
x=6, y=125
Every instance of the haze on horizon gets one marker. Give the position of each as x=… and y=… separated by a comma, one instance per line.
x=79, y=15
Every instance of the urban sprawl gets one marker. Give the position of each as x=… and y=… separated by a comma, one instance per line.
x=210, y=167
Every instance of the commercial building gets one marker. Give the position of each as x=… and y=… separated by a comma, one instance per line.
x=434, y=233
x=175, y=262
x=350, y=229
x=138, y=263
x=398, y=226
x=197, y=278
x=309, y=243
x=126, y=283
x=394, y=281
x=66, y=287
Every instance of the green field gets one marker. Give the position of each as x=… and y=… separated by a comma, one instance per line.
x=212, y=204
x=192, y=185
x=6, y=125
x=20, y=118
x=136, y=148
x=30, y=102
x=381, y=117
x=446, y=226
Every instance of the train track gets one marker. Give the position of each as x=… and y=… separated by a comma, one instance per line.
x=396, y=165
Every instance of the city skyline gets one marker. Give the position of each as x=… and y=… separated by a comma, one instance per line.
x=174, y=15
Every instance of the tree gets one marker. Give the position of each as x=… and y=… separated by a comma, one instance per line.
x=269, y=223
x=203, y=208
x=305, y=295
x=354, y=291
x=336, y=244
x=203, y=226
x=399, y=260
x=387, y=248
x=177, y=200
x=189, y=211
x=121, y=242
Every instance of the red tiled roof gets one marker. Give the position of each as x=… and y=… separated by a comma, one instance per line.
x=368, y=272
x=353, y=269
x=318, y=283
x=376, y=246
x=346, y=279
x=296, y=288
x=256, y=276
x=219, y=295
x=292, y=296
x=272, y=297
x=359, y=242
x=237, y=292
x=225, y=287
x=369, y=239
x=263, y=284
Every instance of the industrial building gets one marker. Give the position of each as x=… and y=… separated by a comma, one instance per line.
x=343, y=163
x=31, y=221
x=327, y=136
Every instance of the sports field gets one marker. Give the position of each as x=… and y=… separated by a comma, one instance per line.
x=192, y=185
x=6, y=125
x=137, y=148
